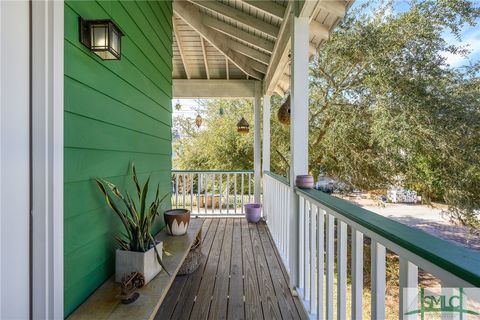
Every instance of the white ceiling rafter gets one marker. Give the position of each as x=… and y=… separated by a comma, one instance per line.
x=269, y=7
x=205, y=58
x=237, y=15
x=250, y=52
x=280, y=52
x=337, y=8
x=192, y=16
x=239, y=34
x=180, y=48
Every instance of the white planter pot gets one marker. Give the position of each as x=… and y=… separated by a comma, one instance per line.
x=145, y=263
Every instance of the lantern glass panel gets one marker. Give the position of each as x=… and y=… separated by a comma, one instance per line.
x=99, y=37
x=115, y=41
x=105, y=55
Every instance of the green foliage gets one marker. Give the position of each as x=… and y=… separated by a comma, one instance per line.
x=138, y=222
x=385, y=109
x=216, y=144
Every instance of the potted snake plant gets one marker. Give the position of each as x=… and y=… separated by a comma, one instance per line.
x=138, y=252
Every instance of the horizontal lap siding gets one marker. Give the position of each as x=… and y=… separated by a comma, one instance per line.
x=116, y=112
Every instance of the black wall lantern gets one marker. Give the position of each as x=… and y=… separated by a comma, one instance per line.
x=102, y=37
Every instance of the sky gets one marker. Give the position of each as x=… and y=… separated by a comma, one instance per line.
x=470, y=40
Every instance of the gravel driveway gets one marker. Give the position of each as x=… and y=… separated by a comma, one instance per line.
x=427, y=219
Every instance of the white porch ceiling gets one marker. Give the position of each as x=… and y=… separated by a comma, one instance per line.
x=245, y=39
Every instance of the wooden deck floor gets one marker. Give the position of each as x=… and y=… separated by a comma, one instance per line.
x=241, y=277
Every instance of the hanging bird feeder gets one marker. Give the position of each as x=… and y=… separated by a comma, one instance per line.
x=198, y=120
x=284, y=112
x=242, y=126
x=178, y=106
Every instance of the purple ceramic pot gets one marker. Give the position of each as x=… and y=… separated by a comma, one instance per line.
x=304, y=181
x=253, y=212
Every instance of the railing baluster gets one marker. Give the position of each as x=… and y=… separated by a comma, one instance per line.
x=249, y=192
x=330, y=266
x=235, y=194
x=190, y=176
x=408, y=288
x=205, y=202
x=313, y=256
x=220, y=194
x=241, y=192
x=213, y=193
x=184, y=186
x=378, y=280
x=176, y=190
x=282, y=225
x=341, y=269
x=301, y=273
x=228, y=193
x=357, y=274
x=306, y=262
x=199, y=186
x=321, y=264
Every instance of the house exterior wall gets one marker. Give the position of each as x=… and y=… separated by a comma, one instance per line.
x=116, y=112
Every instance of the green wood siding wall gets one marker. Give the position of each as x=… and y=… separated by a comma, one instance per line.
x=116, y=112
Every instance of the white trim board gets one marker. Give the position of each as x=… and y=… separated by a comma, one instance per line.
x=47, y=159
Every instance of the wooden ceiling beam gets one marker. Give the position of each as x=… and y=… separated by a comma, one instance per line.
x=238, y=15
x=267, y=6
x=239, y=34
x=192, y=16
x=337, y=7
x=180, y=48
x=205, y=58
x=250, y=52
x=280, y=53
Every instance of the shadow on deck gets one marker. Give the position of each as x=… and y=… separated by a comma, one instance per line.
x=241, y=277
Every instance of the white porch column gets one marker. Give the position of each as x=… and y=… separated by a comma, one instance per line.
x=266, y=134
x=257, y=162
x=298, y=131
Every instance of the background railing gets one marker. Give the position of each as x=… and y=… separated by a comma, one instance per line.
x=212, y=192
x=276, y=207
x=331, y=239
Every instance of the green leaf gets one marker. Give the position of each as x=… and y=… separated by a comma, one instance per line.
x=152, y=240
x=144, y=197
x=135, y=180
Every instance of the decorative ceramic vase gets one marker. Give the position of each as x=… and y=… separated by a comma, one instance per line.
x=304, y=182
x=177, y=221
x=253, y=212
x=145, y=263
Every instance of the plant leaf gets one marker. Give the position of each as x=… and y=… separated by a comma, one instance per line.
x=158, y=254
x=135, y=180
x=144, y=197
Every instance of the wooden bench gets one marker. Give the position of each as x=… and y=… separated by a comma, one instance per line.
x=104, y=304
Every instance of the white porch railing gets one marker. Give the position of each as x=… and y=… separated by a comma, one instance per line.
x=276, y=208
x=212, y=192
x=329, y=225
